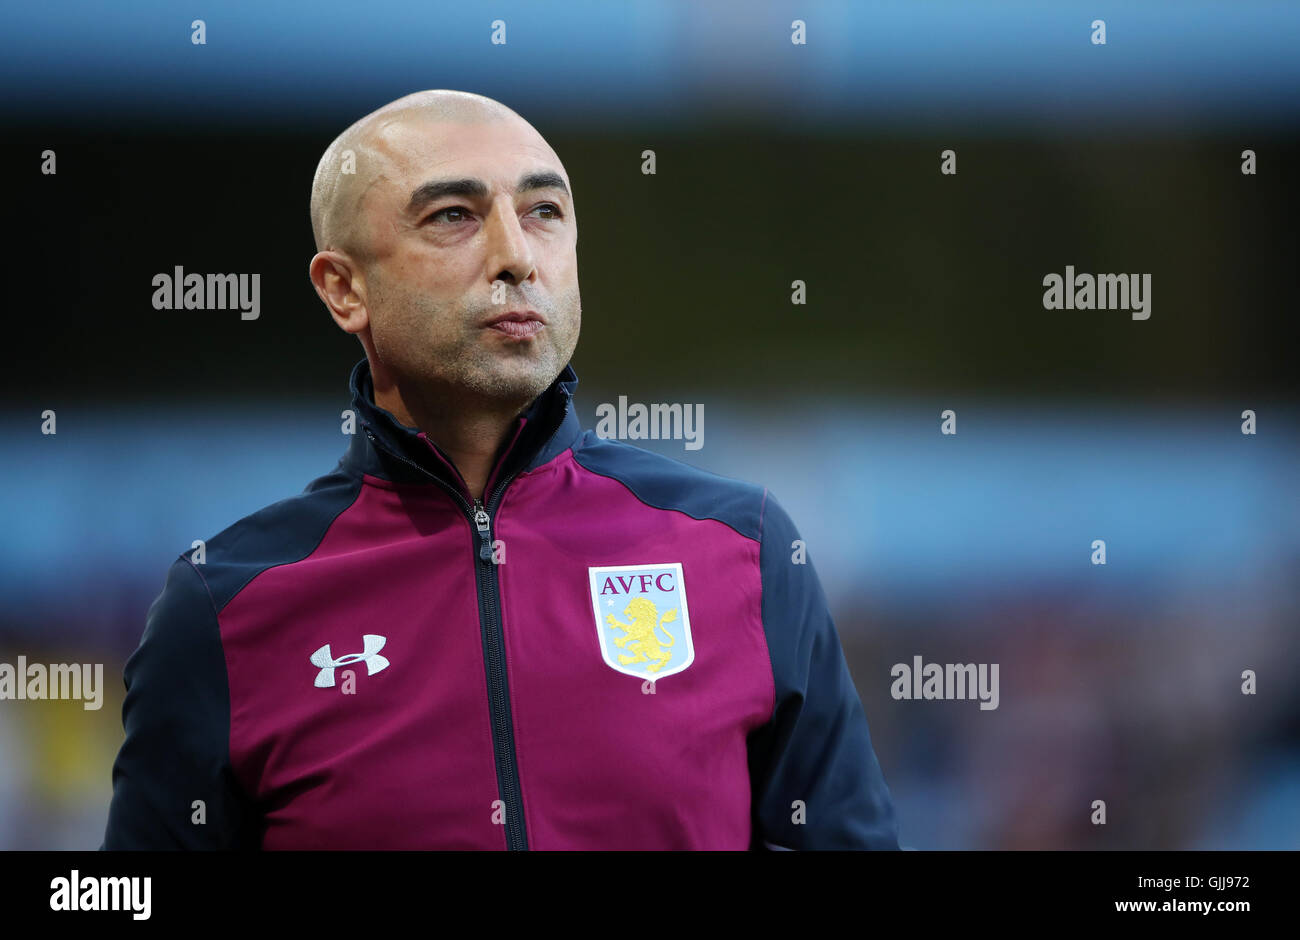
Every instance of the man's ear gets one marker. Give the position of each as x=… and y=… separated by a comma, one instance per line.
x=340, y=284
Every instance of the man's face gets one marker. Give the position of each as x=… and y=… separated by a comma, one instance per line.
x=436, y=254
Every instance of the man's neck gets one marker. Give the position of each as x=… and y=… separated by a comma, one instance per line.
x=470, y=432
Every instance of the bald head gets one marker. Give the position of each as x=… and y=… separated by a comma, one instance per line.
x=435, y=216
x=369, y=150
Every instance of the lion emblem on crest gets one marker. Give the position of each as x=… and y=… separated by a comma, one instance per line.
x=641, y=636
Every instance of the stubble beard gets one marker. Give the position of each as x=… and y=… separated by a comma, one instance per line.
x=468, y=366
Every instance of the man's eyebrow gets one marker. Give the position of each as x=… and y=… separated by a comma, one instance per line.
x=470, y=188
x=546, y=179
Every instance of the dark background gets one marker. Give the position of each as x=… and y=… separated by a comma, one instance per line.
x=918, y=282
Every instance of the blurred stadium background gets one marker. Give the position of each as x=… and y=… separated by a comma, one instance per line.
x=776, y=162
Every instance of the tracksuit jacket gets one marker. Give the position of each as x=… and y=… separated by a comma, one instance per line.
x=613, y=650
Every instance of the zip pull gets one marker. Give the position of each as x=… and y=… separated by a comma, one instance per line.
x=482, y=522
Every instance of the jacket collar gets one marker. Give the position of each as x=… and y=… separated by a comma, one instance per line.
x=386, y=448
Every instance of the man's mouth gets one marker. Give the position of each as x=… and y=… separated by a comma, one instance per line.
x=518, y=324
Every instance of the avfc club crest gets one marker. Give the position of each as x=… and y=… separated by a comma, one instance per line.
x=642, y=623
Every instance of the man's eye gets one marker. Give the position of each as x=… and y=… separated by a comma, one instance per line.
x=551, y=207
x=442, y=212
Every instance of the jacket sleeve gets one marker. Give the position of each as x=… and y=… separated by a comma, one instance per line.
x=176, y=716
x=815, y=779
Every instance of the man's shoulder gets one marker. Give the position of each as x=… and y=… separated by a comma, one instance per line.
x=280, y=533
x=668, y=483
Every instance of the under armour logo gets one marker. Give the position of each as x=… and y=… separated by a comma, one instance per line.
x=374, y=662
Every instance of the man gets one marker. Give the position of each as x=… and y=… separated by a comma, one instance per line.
x=487, y=628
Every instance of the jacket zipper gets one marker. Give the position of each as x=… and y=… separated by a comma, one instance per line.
x=494, y=650
x=489, y=596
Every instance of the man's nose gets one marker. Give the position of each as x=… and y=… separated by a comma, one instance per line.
x=510, y=257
